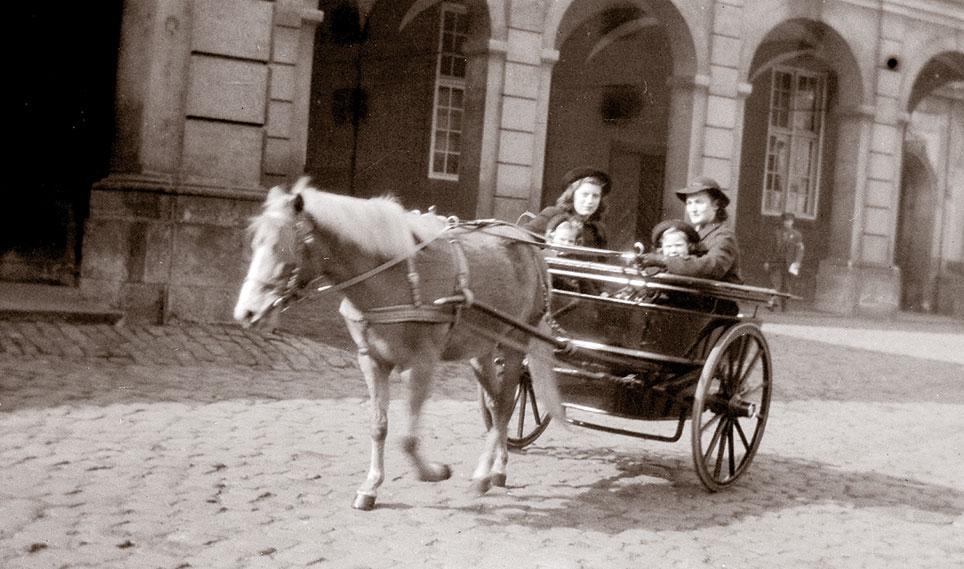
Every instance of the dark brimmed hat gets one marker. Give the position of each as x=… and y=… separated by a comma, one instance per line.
x=677, y=224
x=586, y=172
x=704, y=184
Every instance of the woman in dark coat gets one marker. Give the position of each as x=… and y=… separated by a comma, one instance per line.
x=582, y=200
x=718, y=255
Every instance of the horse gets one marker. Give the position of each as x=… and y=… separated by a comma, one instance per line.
x=408, y=283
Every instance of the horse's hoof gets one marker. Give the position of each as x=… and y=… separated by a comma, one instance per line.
x=363, y=502
x=481, y=486
x=445, y=472
x=498, y=480
x=437, y=473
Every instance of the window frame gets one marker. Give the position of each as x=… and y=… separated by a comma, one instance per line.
x=453, y=83
x=793, y=137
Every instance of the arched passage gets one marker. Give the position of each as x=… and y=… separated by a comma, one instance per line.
x=398, y=100
x=797, y=154
x=610, y=103
x=929, y=248
x=62, y=129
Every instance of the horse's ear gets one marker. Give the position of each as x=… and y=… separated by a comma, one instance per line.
x=275, y=193
x=298, y=203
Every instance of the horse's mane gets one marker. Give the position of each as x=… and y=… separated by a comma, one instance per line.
x=379, y=226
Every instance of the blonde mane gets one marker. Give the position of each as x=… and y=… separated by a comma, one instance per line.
x=379, y=226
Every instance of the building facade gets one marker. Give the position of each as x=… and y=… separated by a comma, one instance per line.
x=848, y=114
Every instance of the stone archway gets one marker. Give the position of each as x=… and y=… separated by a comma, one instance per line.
x=804, y=168
x=610, y=104
x=62, y=126
x=929, y=247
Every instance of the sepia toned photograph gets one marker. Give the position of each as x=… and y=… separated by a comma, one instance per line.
x=495, y=284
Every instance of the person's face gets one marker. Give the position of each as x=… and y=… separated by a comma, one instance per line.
x=564, y=235
x=788, y=222
x=586, y=198
x=674, y=244
x=701, y=208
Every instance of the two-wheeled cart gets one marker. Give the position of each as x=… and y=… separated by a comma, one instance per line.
x=658, y=348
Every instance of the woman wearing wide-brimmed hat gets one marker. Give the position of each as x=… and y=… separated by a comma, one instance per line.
x=583, y=200
x=706, y=209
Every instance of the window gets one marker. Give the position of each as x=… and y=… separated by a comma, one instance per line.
x=449, y=105
x=794, y=142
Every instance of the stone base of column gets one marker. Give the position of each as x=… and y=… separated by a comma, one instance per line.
x=160, y=252
x=950, y=294
x=846, y=288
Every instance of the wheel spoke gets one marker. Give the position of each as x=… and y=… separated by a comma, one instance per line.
x=709, y=423
x=535, y=404
x=713, y=441
x=741, y=358
x=729, y=436
x=522, y=413
x=755, y=388
x=751, y=365
x=719, y=454
x=739, y=429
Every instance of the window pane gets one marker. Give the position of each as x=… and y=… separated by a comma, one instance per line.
x=458, y=67
x=438, y=164
x=440, y=140
x=453, y=164
x=457, y=98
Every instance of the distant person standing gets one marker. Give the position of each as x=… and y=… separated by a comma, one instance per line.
x=786, y=258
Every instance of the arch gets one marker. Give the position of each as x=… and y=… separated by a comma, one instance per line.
x=494, y=10
x=787, y=39
x=939, y=62
x=690, y=52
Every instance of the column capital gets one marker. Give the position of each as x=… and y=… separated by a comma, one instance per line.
x=856, y=111
x=698, y=81
x=486, y=46
x=549, y=55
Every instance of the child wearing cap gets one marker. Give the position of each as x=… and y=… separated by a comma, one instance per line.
x=675, y=238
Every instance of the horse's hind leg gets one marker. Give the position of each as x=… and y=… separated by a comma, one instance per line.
x=376, y=377
x=419, y=379
x=499, y=383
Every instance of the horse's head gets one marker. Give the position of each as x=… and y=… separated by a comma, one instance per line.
x=276, y=254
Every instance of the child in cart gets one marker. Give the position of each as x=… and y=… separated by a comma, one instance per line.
x=671, y=238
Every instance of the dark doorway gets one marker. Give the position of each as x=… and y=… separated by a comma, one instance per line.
x=63, y=89
x=915, y=233
x=637, y=195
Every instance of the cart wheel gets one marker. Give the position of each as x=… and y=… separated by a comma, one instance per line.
x=527, y=422
x=731, y=406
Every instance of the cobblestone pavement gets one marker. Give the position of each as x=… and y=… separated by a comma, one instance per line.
x=206, y=446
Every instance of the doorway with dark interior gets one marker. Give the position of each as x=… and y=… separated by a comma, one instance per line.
x=63, y=89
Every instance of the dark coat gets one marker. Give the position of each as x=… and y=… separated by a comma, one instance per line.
x=593, y=234
x=719, y=256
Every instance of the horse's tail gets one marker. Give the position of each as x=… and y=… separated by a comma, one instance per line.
x=540, y=358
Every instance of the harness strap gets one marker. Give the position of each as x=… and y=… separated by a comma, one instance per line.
x=408, y=313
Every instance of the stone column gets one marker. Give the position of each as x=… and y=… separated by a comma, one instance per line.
x=522, y=127
x=684, y=139
x=201, y=94
x=868, y=281
x=493, y=56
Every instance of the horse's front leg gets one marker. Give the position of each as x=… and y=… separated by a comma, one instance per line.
x=499, y=382
x=376, y=377
x=419, y=379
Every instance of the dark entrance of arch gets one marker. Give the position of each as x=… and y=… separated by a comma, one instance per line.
x=59, y=139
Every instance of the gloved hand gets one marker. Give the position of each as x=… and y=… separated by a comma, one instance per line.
x=650, y=260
